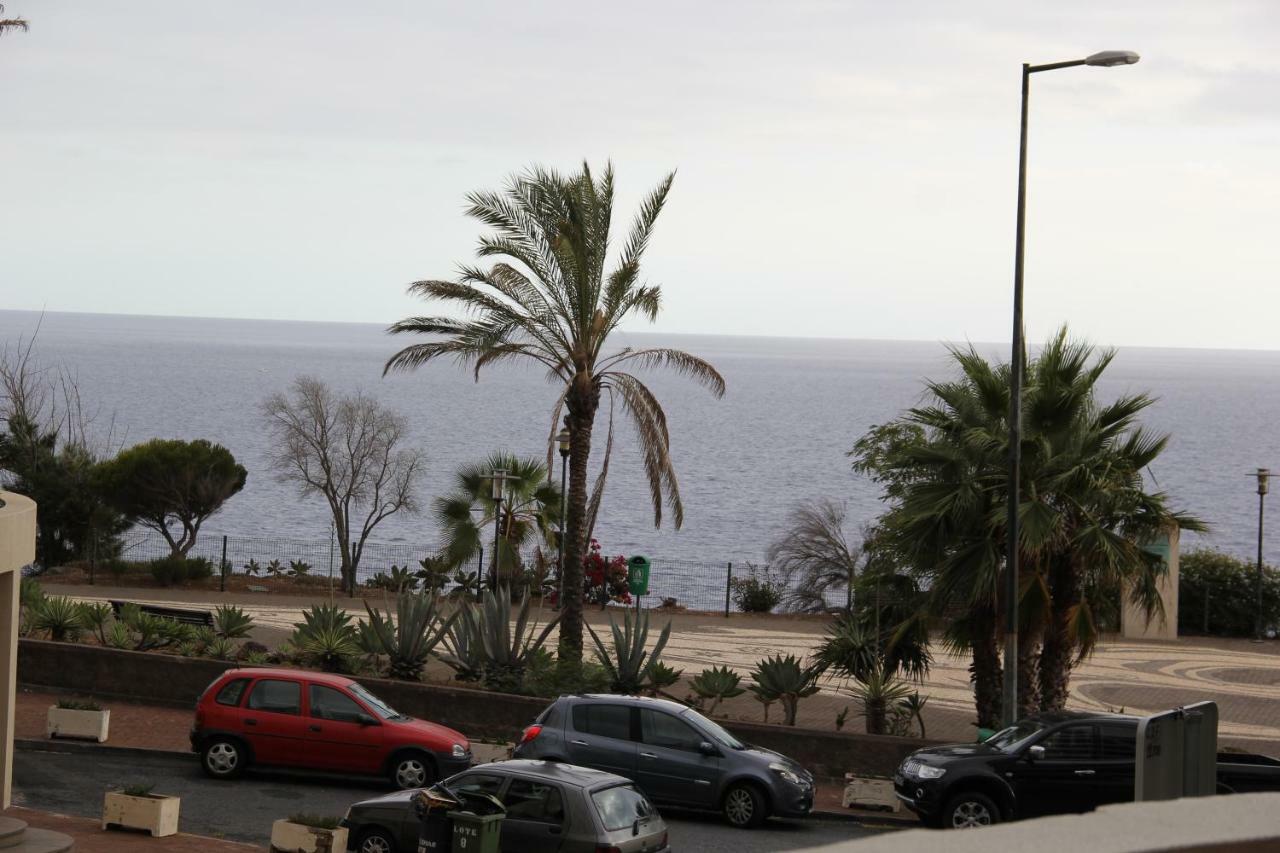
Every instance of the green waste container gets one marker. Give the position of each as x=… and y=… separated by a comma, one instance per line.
x=474, y=833
x=638, y=575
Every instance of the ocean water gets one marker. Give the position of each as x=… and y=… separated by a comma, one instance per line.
x=793, y=409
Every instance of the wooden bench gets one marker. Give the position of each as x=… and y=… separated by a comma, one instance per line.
x=177, y=614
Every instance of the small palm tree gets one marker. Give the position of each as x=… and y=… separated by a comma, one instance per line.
x=530, y=510
x=552, y=299
x=11, y=23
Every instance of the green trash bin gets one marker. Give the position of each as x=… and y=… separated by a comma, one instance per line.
x=474, y=833
x=638, y=575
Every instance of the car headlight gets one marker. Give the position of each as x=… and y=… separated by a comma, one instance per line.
x=459, y=751
x=924, y=771
x=787, y=773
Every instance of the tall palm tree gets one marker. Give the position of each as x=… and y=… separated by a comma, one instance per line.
x=7, y=24
x=549, y=299
x=530, y=509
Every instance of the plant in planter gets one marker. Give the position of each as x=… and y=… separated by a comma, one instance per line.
x=308, y=833
x=231, y=622
x=661, y=677
x=785, y=680
x=630, y=664
x=408, y=637
x=95, y=616
x=717, y=684
x=135, y=807
x=326, y=637
x=58, y=616
x=78, y=718
x=507, y=650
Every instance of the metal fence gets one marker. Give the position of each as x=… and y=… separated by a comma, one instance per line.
x=689, y=584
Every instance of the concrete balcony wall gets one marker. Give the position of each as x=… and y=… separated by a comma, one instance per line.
x=17, y=549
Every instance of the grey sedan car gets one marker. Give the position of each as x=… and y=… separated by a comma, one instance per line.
x=673, y=753
x=551, y=808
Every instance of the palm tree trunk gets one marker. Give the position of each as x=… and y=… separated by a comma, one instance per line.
x=582, y=401
x=1056, y=657
x=1028, y=672
x=986, y=672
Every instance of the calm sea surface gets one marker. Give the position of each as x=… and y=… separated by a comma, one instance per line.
x=793, y=409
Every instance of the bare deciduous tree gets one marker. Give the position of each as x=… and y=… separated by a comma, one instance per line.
x=813, y=556
x=349, y=450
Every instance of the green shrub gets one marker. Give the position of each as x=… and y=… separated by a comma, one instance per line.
x=139, y=790
x=1230, y=586
x=314, y=820
x=542, y=677
x=175, y=571
x=758, y=592
x=79, y=705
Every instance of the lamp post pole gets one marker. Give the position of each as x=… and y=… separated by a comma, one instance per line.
x=1264, y=475
x=563, y=439
x=1009, y=692
x=499, y=476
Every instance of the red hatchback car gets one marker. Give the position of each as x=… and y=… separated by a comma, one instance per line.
x=317, y=721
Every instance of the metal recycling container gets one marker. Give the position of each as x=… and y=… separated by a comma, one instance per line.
x=476, y=833
x=638, y=575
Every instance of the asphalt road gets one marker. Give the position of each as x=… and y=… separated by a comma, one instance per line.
x=72, y=782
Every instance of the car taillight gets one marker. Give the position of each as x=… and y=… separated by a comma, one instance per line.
x=530, y=733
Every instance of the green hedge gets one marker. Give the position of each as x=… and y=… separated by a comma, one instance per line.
x=1230, y=585
x=175, y=571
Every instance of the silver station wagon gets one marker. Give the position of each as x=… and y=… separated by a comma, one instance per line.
x=551, y=808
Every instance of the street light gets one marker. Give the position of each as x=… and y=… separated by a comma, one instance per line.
x=498, y=480
x=1263, y=475
x=1105, y=59
x=563, y=440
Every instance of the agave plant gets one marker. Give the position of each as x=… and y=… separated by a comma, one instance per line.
x=629, y=664
x=506, y=650
x=660, y=678
x=231, y=623
x=913, y=707
x=221, y=649
x=785, y=680
x=275, y=569
x=58, y=616
x=252, y=568
x=464, y=652
x=717, y=684
x=409, y=637
x=203, y=638
x=327, y=637
x=119, y=637
x=299, y=568
x=880, y=692
x=94, y=616
x=465, y=584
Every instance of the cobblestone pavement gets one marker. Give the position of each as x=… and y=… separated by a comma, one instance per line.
x=90, y=837
x=1136, y=676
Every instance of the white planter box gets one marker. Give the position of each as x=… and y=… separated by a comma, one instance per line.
x=64, y=722
x=870, y=793
x=289, y=837
x=155, y=813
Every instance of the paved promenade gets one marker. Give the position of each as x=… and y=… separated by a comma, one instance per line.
x=1133, y=676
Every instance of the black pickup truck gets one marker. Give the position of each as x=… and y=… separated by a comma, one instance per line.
x=1047, y=764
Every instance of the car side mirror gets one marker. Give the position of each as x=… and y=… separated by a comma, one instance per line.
x=366, y=720
x=1035, y=753
x=708, y=748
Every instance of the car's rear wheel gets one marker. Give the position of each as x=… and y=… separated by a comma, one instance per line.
x=969, y=811
x=375, y=841
x=223, y=758
x=744, y=806
x=412, y=770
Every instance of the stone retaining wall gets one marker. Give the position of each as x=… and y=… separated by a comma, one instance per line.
x=480, y=714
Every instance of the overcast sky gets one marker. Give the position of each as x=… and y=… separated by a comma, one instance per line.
x=845, y=169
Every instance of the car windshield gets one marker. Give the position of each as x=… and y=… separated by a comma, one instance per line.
x=1010, y=739
x=621, y=807
x=382, y=709
x=715, y=730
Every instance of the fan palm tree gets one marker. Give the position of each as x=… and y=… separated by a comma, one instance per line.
x=1085, y=514
x=531, y=508
x=551, y=298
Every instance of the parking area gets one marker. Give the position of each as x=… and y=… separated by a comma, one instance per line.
x=72, y=782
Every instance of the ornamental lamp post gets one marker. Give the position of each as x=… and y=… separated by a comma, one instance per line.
x=498, y=481
x=1264, y=476
x=1105, y=59
x=563, y=440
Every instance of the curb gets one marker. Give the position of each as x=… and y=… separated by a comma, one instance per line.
x=70, y=746
x=869, y=819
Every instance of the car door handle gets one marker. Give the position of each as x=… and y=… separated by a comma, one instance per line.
x=1084, y=772
x=647, y=755
x=313, y=728
x=579, y=742
x=250, y=722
